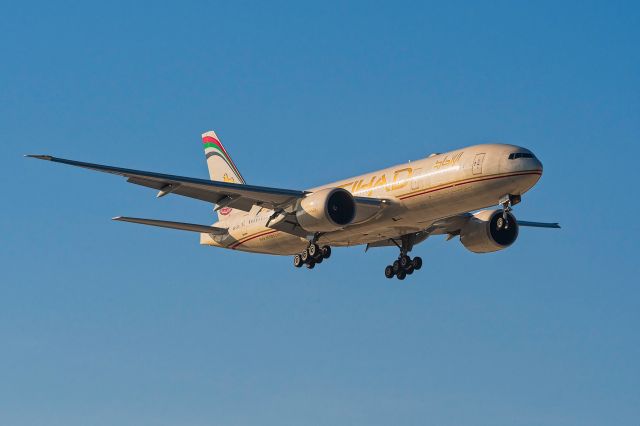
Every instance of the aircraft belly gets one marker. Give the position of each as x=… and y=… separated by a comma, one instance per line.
x=274, y=242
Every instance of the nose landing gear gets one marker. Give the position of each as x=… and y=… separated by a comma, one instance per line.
x=507, y=202
x=311, y=256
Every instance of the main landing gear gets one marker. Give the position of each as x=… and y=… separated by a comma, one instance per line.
x=311, y=256
x=404, y=265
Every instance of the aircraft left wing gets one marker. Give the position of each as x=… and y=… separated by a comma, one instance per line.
x=224, y=194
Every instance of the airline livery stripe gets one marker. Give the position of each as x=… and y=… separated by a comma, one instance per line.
x=218, y=154
x=465, y=182
x=251, y=237
x=211, y=142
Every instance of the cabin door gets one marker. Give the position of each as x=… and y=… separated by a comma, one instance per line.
x=416, y=182
x=477, y=164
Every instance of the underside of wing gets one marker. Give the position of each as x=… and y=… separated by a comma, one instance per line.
x=553, y=225
x=226, y=194
x=451, y=227
x=243, y=197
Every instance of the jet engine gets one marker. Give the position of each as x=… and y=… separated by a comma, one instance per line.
x=486, y=231
x=326, y=210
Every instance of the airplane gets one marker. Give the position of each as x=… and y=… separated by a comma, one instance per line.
x=443, y=194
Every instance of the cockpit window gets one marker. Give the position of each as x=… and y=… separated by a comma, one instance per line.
x=515, y=155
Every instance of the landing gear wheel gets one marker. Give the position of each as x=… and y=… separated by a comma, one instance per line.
x=388, y=271
x=401, y=274
x=314, y=250
x=396, y=267
x=404, y=261
x=319, y=259
x=417, y=263
x=409, y=269
x=310, y=264
x=304, y=255
x=326, y=252
x=501, y=223
x=297, y=261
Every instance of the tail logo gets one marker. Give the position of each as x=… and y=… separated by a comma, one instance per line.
x=213, y=147
x=225, y=211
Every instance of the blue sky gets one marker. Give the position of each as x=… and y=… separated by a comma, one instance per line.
x=107, y=323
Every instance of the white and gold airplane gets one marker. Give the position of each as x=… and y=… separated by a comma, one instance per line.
x=399, y=206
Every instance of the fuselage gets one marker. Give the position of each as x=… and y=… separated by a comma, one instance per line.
x=420, y=193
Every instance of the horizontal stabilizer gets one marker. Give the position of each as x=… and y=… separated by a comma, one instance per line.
x=174, y=225
x=539, y=224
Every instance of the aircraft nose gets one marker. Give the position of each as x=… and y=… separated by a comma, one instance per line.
x=521, y=159
x=537, y=163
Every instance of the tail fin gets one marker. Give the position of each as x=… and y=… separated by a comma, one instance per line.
x=221, y=166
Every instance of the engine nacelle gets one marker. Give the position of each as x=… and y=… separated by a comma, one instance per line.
x=485, y=232
x=326, y=210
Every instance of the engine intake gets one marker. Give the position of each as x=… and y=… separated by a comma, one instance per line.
x=485, y=232
x=326, y=210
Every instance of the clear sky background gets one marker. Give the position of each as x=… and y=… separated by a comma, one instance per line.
x=106, y=323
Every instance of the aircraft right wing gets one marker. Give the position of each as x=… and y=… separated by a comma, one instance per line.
x=451, y=227
x=554, y=225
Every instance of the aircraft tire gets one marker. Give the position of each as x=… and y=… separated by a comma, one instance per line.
x=417, y=263
x=297, y=261
x=314, y=250
x=388, y=271
x=401, y=274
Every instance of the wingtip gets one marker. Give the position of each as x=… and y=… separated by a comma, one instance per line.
x=117, y=218
x=39, y=156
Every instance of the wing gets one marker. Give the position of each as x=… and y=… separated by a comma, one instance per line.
x=224, y=194
x=453, y=225
x=554, y=225
x=450, y=226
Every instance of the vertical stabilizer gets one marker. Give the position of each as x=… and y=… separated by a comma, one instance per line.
x=221, y=166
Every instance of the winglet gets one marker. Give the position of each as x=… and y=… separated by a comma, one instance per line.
x=40, y=157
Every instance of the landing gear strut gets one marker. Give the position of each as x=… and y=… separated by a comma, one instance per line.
x=507, y=202
x=404, y=265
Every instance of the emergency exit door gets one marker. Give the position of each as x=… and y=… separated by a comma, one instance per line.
x=477, y=164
